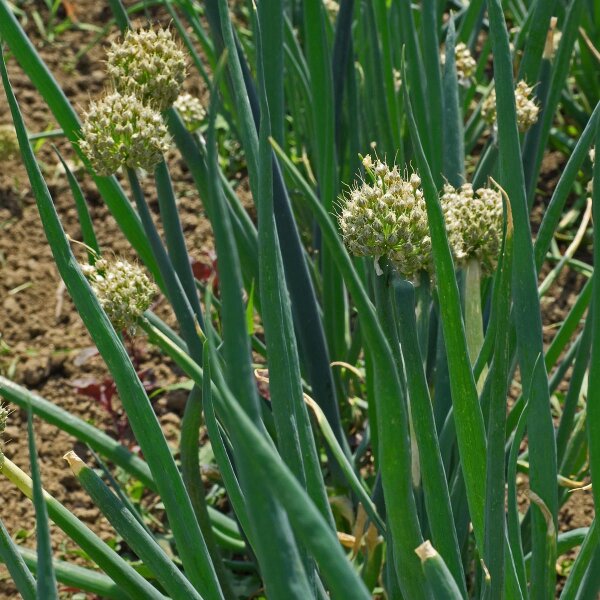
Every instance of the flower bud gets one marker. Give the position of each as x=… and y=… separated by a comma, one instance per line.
x=120, y=131
x=149, y=64
x=387, y=218
x=474, y=222
x=191, y=110
x=123, y=290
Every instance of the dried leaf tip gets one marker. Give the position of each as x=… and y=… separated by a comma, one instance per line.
x=426, y=551
x=74, y=461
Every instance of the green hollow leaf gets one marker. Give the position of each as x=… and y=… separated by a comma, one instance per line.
x=46, y=579
x=175, y=240
x=527, y=313
x=236, y=496
x=140, y=541
x=83, y=431
x=437, y=573
x=536, y=140
x=121, y=572
x=392, y=420
x=529, y=67
x=282, y=570
x=295, y=434
x=584, y=559
x=143, y=421
x=318, y=60
x=467, y=412
x=593, y=398
x=308, y=324
x=437, y=96
x=554, y=210
x=567, y=419
x=495, y=523
x=453, y=138
x=307, y=521
x=78, y=577
x=11, y=557
x=415, y=77
x=435, y=486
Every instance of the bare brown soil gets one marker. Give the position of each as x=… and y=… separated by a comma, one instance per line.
x=45, y=341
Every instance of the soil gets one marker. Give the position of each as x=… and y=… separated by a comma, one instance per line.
x=43, y=343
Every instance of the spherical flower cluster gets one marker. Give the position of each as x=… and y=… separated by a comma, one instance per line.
x=123, y=289
x=527, y=109
x=149, y=64
x=474, y=223
x=465, y=63
x=9, y=144
x=120, y=130
x=387, y=218
x=191, y=110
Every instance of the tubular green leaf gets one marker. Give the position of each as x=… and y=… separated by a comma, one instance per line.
x=46, y=579
x=79, y=429
x=133, y=533
x=128, y=579
x=143, y=421
x=21, y=575
x=394, y=444
x=467, y=412
x=527, y=314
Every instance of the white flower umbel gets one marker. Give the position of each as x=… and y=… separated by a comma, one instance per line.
x=387, y=218
x=474, y=221
x=120, y=131
x=527, y=109
x=149, y=64
x=191, y=110
x=123, y=290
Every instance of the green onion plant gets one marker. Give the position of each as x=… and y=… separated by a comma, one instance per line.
x=373, y=375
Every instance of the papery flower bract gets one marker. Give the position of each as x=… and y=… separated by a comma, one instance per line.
x=123, y=290
x=191, y=110
x=474, y=221
x=527, y=109
x=149, y=64
x=387, y=218
x=120, y=131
